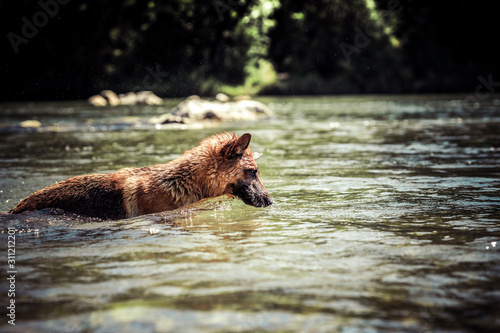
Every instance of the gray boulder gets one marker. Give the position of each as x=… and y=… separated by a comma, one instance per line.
x=195, y=109
x=108, y=97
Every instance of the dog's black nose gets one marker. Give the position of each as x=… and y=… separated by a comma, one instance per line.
x=267, y=201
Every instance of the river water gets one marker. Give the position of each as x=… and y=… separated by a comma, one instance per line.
x=385, y=219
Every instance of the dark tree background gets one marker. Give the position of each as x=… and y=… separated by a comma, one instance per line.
x=62, y=49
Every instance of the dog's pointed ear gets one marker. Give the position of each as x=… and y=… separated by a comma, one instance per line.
x=242, y=144
x=235, y=149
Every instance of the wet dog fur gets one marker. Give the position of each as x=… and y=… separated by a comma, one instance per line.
x=221, y=164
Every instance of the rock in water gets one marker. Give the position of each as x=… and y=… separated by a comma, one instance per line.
x=108, y=97
x=222, y=97
x=197, y=110
x=97, y=100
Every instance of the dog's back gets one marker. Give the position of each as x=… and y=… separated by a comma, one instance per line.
x=90, y=195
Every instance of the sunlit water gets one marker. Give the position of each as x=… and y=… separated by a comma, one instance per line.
x=385, y=219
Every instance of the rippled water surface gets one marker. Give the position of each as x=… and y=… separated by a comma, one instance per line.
x=385, y=219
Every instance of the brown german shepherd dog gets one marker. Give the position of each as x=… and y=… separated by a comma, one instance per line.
x=221, y=164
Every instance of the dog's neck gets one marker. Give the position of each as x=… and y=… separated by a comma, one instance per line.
x=187, y=180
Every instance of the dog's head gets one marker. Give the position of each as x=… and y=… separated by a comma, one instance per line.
x=244, y=181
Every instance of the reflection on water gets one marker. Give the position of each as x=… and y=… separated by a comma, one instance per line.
x=385, y=218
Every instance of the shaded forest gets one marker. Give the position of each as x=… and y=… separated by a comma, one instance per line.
x=62, y=49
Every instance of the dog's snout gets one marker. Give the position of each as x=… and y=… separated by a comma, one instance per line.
x=253, y=194
x=267, y=201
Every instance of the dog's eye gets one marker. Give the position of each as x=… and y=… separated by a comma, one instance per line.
x=253, y=173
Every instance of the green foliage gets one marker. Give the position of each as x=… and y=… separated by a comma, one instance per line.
x=255, y=72
x=259, y=73
x=183, y=47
